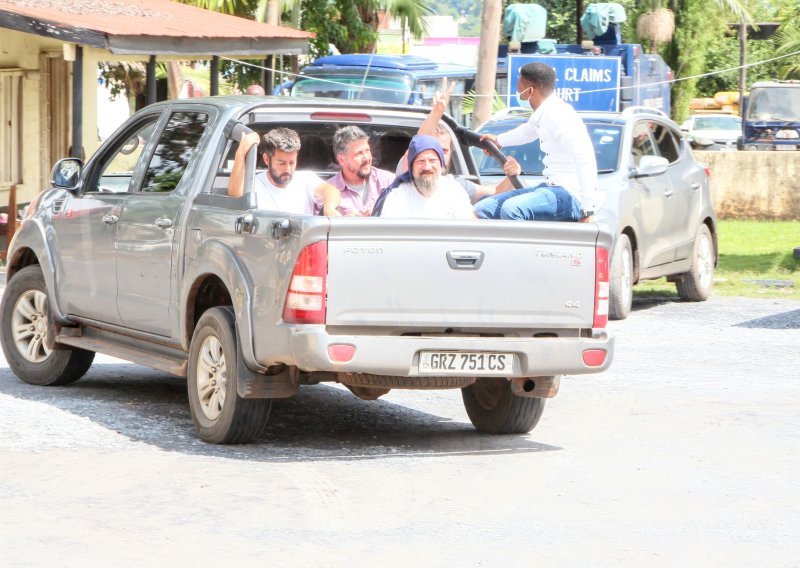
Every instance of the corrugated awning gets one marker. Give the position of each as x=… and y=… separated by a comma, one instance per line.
x=156, y=27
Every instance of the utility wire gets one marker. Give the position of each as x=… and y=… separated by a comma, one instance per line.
x=669, y=82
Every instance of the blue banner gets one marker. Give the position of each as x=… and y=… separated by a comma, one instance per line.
x=589, y=82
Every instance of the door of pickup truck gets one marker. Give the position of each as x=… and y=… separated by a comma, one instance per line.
x=85, y=225
x=149, y=223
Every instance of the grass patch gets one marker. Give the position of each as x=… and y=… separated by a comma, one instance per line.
x=748, y=250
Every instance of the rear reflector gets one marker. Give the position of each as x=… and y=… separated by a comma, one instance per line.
x=305, y=299
x=601, y=288
x=594, y=357
x=341, y=352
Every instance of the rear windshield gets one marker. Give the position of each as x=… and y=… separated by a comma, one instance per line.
x=718, y=123
x=393, y=90
x=605, y=138
x=387, y=143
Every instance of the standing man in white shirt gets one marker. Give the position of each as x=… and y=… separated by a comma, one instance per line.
x=570, y=191
x=281, y=187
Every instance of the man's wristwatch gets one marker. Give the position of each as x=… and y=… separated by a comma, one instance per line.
x=587, y=213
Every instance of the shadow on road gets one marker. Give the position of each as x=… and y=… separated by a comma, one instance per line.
x=783, y=320
x=319, y=423
x=641, y=303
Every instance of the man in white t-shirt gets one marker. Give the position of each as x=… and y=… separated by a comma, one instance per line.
x=281, y=187
x=423, y=192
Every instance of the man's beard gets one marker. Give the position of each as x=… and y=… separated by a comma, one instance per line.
x=281, y=180
x=426, y=183
x=363, y=171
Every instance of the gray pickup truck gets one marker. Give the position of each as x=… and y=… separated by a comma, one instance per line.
x=140, y=254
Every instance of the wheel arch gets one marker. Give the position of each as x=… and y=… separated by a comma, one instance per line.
x=712, y=228
x=28, y=247
x=216, y=277
x=631, y=234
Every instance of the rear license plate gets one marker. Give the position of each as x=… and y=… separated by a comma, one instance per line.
x=459, y=363
x=785, y=147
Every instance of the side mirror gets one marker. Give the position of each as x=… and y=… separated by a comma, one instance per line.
x=650, y=166
x=66, y=174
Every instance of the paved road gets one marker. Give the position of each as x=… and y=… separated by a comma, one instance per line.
x=685, y=453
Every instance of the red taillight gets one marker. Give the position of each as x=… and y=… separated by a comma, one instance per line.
x=600, y=288
x=305, y=299
x=708, y=171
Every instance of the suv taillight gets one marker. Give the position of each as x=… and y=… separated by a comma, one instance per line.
x=305, y=299
x=601, y=288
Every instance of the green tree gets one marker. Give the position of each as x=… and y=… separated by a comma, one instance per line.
x=698, y=25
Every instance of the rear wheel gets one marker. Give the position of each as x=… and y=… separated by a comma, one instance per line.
x=220, y=415
x=494, y=409
x=695, y=285
x=621, y=293
x=25, y=320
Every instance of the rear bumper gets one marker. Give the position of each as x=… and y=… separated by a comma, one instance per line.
x=399, y=356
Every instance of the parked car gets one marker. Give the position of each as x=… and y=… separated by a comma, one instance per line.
x=713, y=131
x=141, y=254
x=658, y=202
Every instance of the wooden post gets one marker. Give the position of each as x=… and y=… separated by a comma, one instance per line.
x=487, y=61
x=11, y=225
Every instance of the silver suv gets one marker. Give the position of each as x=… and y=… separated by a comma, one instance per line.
x=658, y=206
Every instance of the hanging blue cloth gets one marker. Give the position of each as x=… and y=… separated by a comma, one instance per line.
x=597, y=17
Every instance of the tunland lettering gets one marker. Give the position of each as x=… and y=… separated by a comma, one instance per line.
x=363, y=250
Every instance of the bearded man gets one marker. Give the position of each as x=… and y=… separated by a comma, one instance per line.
x=359, y=182
x=282, y=188
x=423, y=192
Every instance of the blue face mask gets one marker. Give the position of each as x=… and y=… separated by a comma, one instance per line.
x=523, y=103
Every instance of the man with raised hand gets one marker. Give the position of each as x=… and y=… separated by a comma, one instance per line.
x=281, y=187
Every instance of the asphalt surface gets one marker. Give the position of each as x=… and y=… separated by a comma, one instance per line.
x=686, y=452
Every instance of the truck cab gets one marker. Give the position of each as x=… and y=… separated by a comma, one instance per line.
x=771, y=117
x=393, y=79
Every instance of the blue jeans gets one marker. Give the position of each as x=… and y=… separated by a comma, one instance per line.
x=541, y=203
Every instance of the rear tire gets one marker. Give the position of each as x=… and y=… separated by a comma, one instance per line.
x=494, y=409
x=695, y=285
x=25, y=321
x=621, y=293
x=220, y=415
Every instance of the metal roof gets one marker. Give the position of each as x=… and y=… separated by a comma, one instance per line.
x=155, y=27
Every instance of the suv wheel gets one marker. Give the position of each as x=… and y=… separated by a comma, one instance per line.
x=695, y=285
x=621, y=293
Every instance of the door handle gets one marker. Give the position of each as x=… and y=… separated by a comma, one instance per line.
x=465, y=260
x=110, y=219
x=695, y=186
x=164, y=222
x=245, y=224
x=669, y=192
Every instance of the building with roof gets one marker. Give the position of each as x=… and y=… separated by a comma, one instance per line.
x=49, y=52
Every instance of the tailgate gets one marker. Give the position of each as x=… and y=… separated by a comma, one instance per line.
x=468, y=274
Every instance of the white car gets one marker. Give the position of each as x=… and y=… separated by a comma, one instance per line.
x=713, y=131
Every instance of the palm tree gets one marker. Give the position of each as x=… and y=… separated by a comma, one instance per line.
x=657, y=24
x=788, y=39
